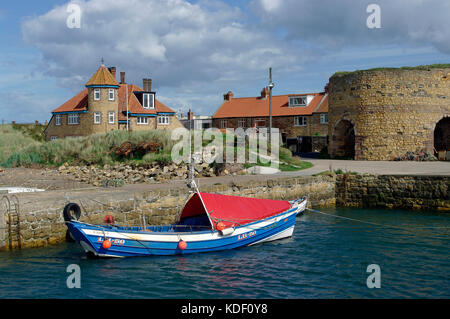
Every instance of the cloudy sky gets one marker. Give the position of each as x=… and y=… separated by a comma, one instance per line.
x=195, y=51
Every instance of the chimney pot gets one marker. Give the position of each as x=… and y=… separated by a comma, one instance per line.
x=265, y=93
x=190, y=115
x=122, y=77
x=229, y=96
x=113, y=71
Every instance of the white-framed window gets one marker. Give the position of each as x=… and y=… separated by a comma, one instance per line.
x=260, y=122
x=142, y=120
x=163, y=119
x=111, y=95
x=323, y=118
x=96, y=94
x=298, y=101
x=148, y=101
x=242, y=122
x=223, y=124
x=300, y=121
x=58, y=119
x=111, y=117
x=73, y=119
x=53, y=138
x=97, y=117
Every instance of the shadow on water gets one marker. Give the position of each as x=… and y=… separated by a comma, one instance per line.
x=326, y=258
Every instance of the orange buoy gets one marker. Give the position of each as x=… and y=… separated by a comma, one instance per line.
x=182, y=245
x=109, y=219
x=220, y=226
x=106, y=244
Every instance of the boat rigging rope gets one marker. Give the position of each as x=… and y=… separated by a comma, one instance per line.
x=374, y=224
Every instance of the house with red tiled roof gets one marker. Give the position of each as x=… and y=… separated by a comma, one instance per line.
x=301, y=118
x=106, y=105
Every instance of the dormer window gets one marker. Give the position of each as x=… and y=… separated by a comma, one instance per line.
x=148, y=101
x=298, y=101
x=96, y=94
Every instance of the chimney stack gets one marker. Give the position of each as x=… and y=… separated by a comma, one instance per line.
x=265, y=93
x=113, y=71
x=229, y=96
x=190, y=115
x=147, y=85
x=122, y=77
x=36, y=122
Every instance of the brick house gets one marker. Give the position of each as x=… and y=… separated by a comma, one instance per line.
x=301, y=118
x=103, y=106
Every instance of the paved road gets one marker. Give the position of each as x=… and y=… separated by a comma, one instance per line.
x=376, y=167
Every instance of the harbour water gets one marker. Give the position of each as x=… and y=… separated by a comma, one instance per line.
x=326, y=258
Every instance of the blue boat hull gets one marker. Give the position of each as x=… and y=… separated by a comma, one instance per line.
x=126, y=242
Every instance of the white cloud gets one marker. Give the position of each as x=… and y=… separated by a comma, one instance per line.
x=172, y=41
x=335, y=24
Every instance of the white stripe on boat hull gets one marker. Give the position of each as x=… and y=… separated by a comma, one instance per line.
x=284, y=234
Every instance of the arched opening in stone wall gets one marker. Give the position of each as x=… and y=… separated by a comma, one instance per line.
x=344, y=140
x=442, y=136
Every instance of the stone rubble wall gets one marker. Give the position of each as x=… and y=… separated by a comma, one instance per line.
x=42, y=222
x=394, y=191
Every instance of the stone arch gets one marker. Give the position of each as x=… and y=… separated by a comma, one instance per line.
x=441, y=136
x=344, y=134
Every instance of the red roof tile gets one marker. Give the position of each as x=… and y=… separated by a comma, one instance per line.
x=104, y=77
x=78, y=103
x=258, y=107
x=323, y=105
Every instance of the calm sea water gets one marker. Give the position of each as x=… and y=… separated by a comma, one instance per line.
x=326, y=258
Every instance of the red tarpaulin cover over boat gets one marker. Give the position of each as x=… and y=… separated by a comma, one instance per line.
x=232, y=210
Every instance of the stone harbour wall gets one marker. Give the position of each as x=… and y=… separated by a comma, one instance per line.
x=394, y=191
x=42, y=223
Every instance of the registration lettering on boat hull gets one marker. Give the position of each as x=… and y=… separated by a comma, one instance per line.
x=247, y=235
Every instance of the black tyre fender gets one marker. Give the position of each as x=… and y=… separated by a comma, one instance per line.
x=71, y=212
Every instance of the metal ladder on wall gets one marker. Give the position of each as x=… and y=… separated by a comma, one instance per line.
x=10, y=207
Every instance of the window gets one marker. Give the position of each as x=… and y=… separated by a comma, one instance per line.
x=96, y=94
x=241, y=123
x=53, y=138
x=297, y=101
x=58, y=119
x=142, y=120
x=111, y=94
x=97, y=117
x=323, y=118
x=300, y=121
x=111, y=117
x=260, y=122
x=163, y=119
x=223, y=124
x=73, y=119
x=148, y=101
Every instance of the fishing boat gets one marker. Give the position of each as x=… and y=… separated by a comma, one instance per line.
x=207, y=222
